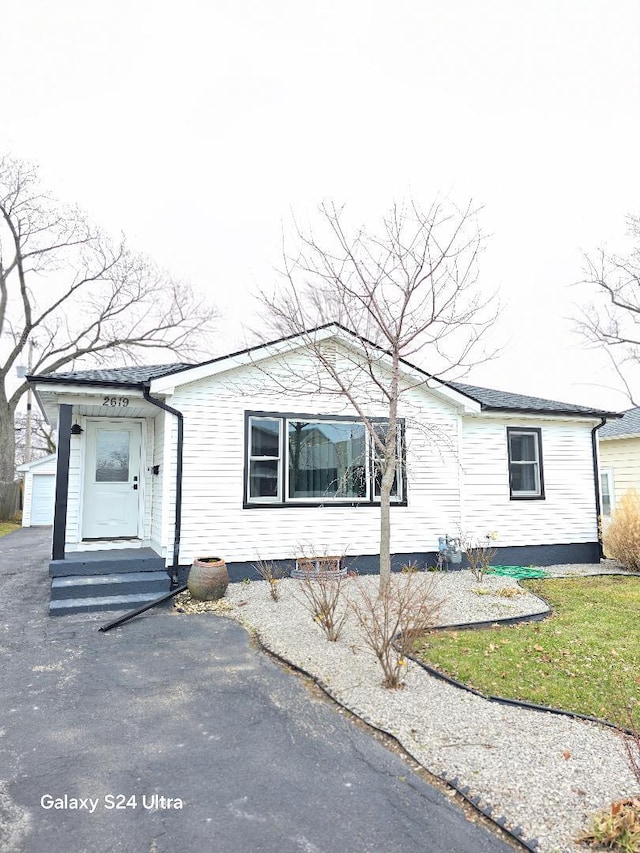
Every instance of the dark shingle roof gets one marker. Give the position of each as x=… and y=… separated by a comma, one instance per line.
x=134, y=375
x=506, y=401
x=628, y=424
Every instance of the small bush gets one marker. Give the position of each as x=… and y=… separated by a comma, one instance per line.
x=272, y=574
x=322, y=594
x=479, y=553
x=621, y=538
x=392, y=617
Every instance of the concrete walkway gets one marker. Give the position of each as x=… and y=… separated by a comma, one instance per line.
x=185, y=708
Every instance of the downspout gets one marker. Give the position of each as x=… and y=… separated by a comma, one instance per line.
x=596, y=479
x=178, y=516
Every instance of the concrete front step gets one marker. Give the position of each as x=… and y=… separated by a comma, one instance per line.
x=67, y=606
x=100, y=586
x=118, y=561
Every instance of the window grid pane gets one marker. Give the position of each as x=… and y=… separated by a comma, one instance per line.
x=264, y=458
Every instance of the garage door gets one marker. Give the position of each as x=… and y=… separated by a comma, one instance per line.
x=43, y=499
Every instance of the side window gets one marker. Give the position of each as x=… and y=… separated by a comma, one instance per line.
x=606, y=486
x=265, y=451
x=525, y=463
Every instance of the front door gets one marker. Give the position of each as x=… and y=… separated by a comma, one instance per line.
x=112, y=480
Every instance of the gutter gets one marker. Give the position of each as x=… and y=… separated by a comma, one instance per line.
x=146, y=386
x=596, y=479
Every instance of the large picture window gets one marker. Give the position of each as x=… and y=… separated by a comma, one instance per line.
x=525, y=463
x=294, y=459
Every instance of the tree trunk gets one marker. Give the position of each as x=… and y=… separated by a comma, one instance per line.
x=385, y=532
x=9, y=503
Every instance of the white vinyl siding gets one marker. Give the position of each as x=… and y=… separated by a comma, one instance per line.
x=567, y=515
x=214, y=520
x=157, y=482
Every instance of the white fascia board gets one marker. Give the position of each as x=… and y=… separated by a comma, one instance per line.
x=168, y=384
x=67, y=389
x=510, y=415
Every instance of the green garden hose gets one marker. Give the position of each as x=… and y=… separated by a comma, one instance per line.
x=517, y=572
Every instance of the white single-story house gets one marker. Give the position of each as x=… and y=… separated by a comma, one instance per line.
x=38, y=497
x=619, y=443
x=253, y=456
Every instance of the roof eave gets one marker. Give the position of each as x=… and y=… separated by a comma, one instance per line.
x=522, y=410
x=91, y=383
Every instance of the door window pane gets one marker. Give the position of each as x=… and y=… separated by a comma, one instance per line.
x=112, y=456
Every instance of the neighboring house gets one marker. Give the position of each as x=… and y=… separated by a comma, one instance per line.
x=158, y=465
x=619, y=444
x=38, y=499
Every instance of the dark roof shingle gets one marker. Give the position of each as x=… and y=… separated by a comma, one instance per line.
x=508, y=401
x=628, y=424
x=134, y=375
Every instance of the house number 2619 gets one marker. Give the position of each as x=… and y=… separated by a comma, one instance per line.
x=116, y=401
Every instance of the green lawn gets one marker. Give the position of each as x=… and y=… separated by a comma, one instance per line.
x=585, y=658
x=8, y=527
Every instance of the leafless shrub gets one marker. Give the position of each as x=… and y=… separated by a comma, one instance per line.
x=269, y=572
x=391, y=619
x=621, y=538
x=323, y=597
x=479, y=553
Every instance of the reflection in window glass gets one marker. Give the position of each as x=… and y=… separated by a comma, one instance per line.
x=327, y=460
x=112, y=456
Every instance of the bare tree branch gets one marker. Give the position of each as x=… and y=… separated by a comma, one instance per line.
x=408, y=290
x=611, y=318
x=78, y=294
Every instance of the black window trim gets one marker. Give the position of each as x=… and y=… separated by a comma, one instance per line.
x=282, y=501
x=537, y=431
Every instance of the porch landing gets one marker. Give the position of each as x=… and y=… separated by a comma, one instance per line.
x=116, y=560
x=114, y=579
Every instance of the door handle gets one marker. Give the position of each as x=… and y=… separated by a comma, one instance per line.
x=135, y=485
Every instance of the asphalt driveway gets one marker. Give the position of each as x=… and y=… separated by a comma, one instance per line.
x=95, y=729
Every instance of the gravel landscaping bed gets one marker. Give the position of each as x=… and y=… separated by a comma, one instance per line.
x=543, y=772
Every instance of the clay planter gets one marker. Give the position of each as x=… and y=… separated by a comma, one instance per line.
x=208, y=578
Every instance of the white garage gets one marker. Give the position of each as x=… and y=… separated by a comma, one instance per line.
x=39, y=491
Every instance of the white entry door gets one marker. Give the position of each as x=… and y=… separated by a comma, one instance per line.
x=112, y=485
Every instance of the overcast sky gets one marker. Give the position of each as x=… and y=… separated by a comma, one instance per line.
x=196, y=127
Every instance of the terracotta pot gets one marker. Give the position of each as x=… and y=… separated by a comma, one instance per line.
x=208, y=578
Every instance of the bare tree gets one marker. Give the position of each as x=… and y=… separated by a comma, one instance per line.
x=81, y=295
x=43, y=440
x=611, y=319
x=408, y=291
